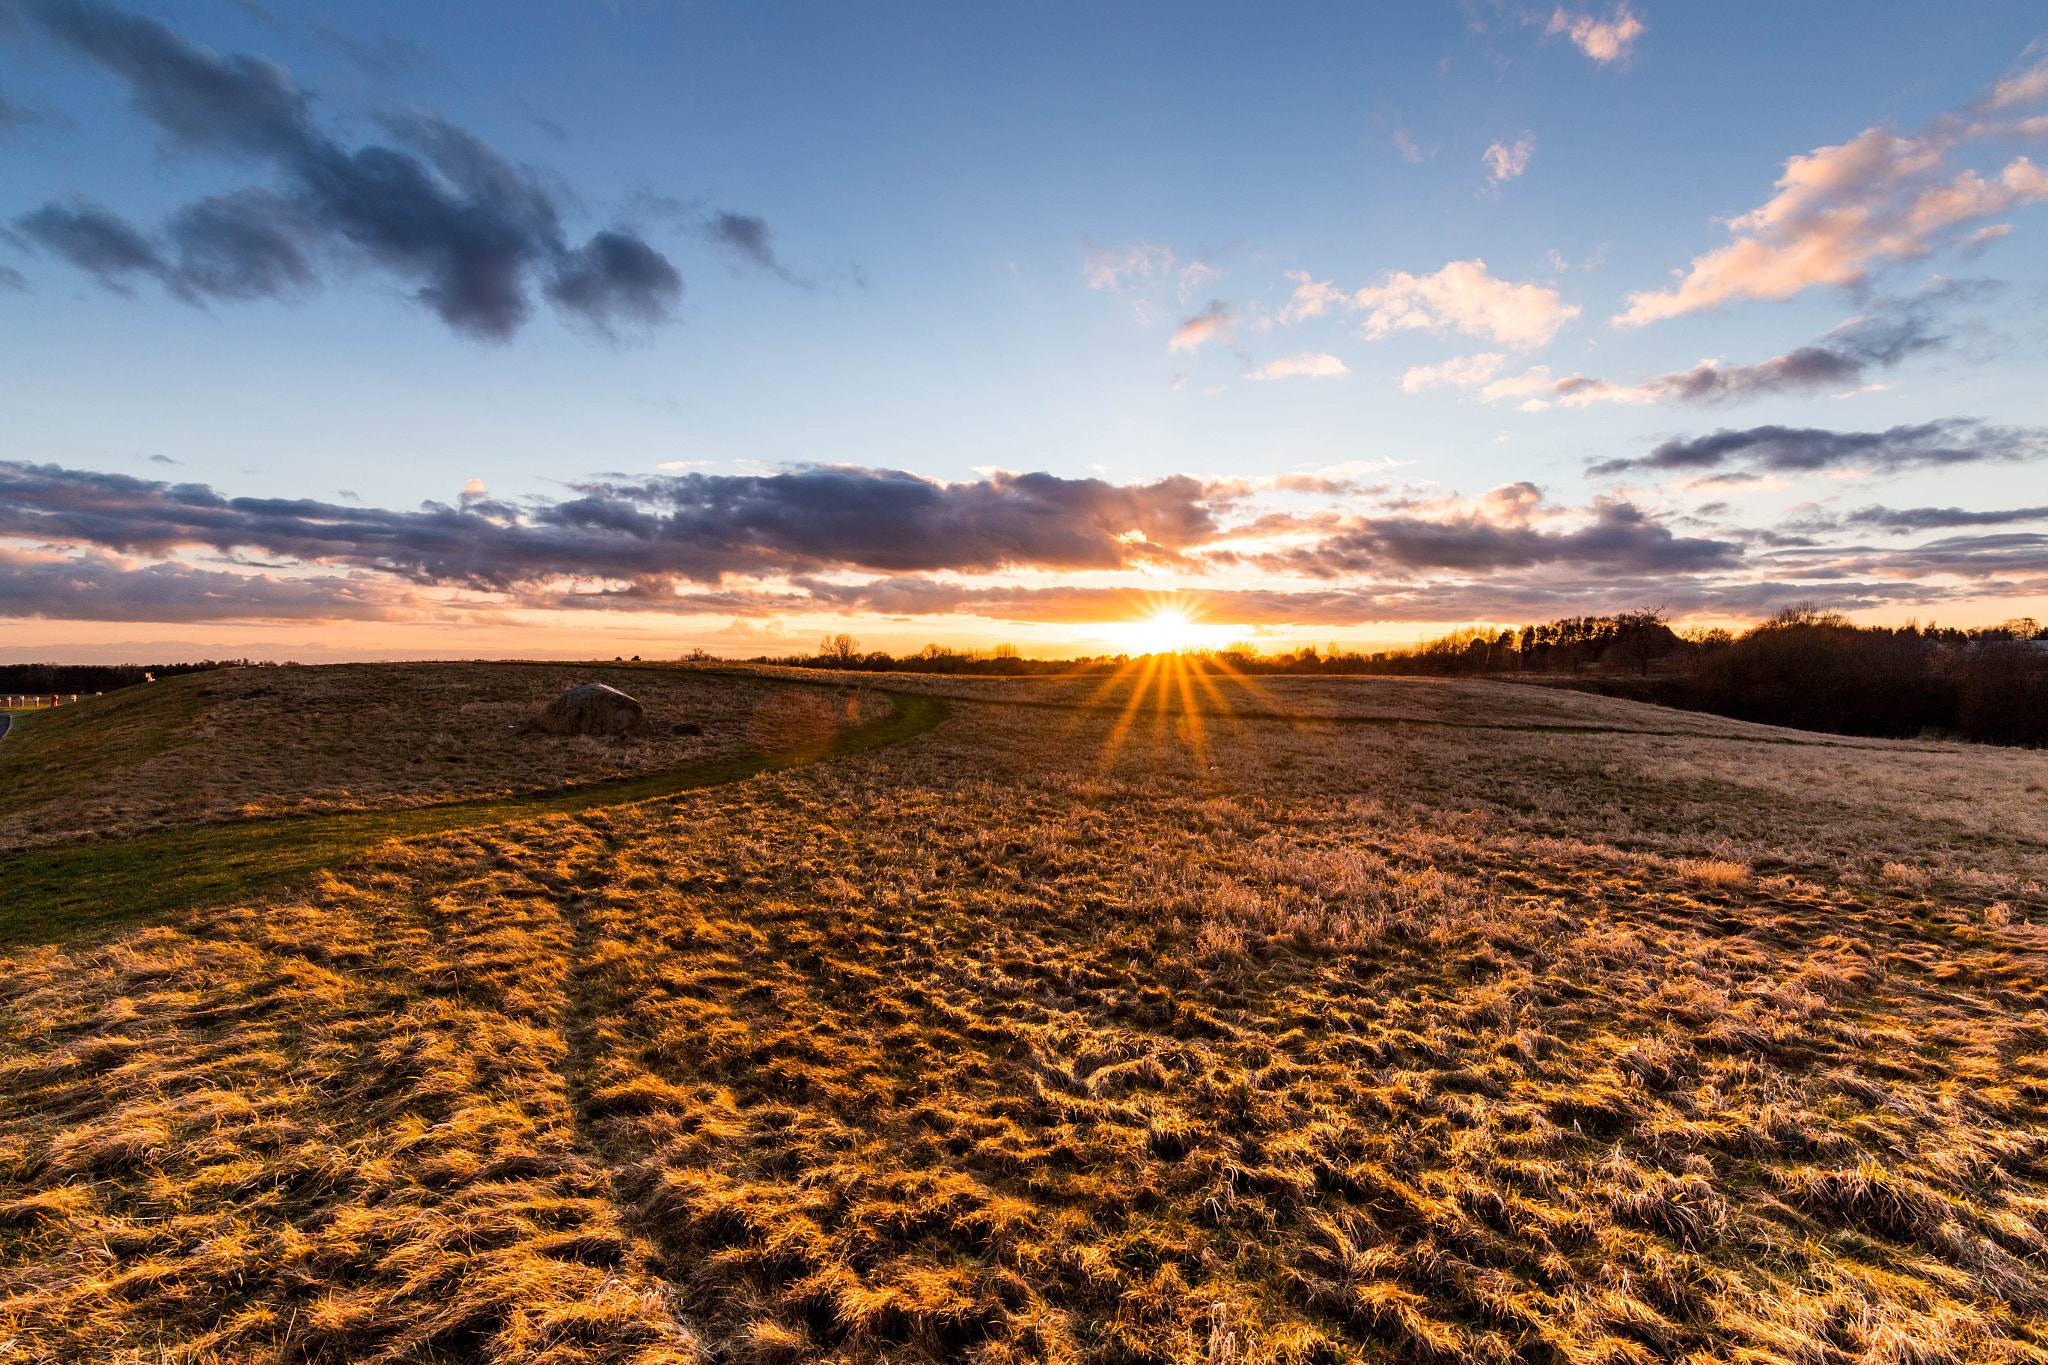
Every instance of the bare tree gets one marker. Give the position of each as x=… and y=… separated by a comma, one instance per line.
x=1643, y=636
x=840, y=648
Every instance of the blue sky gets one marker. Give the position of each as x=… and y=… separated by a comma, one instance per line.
x=1323, y=323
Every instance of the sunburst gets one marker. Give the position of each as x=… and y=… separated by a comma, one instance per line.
x=1168, y=628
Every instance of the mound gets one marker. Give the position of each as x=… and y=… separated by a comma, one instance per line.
x=1093, y=1035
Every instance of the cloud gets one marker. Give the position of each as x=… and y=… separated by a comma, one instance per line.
x=1461, y=372
x=1504, y=163
x=1946, y=441
x=1843, y=211
x=2016, y=91
x=1410, y=152
x=1888, y=333
x=747, y=237
x=1460, y=297
x=1108, y=267
x=80, y=545
x=1312, y=298
x=1309, y=364
x=1904, y=520
x=1808, y=367
x=435, y=206
x=96, y=586
x=1213, y=323
x=1966, y=557
x=1528, y=386
x=1501, y=535
x=94, y=240
x=616, y=277
x=698, y=527
x=1607, y=40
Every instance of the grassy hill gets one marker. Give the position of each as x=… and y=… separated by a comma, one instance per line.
x=248, y=743
x=1339, y=1020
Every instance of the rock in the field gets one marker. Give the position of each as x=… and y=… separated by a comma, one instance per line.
x=593, y=709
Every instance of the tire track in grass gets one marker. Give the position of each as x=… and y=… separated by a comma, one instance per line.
x=49, y=894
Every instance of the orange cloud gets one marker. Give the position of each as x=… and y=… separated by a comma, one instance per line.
x=1211, y=324
x=1460, y=297
x=1842, y=211
x=1504, y=162
x=1604, y=40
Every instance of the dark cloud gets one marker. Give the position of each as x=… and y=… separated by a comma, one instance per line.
x=1968, y=557
x=95, y=241
x=1892, y=330
x=1360, y=604
x=249, y=244
x=199, y=101
x=104, y=588
x=1780, y=449
x=98, y=587
x=10, y=278
x=746, y=236
x=440, y=208
x=773, y=543
x=1806, y=368
x=1621, y=536
x=616, y=277
x=695, y=527
x=1971, y=556
x=1907, y=519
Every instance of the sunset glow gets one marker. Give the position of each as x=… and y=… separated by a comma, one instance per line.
x=578, y=370
x=1168, y=630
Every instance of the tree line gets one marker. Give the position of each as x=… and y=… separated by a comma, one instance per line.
x=34, y=679
x=1805, y=667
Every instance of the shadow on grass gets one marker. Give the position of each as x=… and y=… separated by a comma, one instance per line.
x=50, y=894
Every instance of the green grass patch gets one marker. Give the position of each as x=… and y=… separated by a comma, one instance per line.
x=51, y=894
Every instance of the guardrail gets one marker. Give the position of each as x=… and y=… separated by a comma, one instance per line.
x=42, y=700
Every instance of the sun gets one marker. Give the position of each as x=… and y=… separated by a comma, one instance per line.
x=1167, y=630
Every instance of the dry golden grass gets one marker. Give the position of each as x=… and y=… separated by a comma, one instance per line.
x=1066, y=1035
x=1445, y=701
x=247, y=743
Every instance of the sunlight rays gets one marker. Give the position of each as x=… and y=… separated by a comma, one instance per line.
x=1183, y=695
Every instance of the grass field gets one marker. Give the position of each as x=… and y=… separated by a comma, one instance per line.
x=250, y=743
x=1153, y=1021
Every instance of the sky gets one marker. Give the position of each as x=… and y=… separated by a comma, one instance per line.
x=384, y=330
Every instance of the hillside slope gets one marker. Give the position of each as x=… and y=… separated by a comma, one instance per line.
x=246, y=743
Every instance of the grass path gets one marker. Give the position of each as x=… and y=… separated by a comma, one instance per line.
x=50, y=894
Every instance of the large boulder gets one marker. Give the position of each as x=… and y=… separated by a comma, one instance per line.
x=593, y=709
